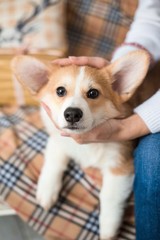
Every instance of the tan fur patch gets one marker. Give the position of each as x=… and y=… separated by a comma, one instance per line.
x=125, y=163
x=108, y=99
x=66, y=76
x=60, y=77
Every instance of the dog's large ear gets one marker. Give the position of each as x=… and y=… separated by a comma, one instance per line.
x=128, y=72
x=30, y=71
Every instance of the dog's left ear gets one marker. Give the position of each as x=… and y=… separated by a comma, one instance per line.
x=128, y=72
x=31, y=72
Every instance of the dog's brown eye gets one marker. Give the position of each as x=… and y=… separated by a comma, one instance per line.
x=93, y=93
x=61, y=91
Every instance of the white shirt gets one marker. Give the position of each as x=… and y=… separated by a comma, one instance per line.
x=145, y=30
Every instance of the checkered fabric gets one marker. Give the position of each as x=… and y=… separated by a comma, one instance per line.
x=97, y=27
x=75, y=214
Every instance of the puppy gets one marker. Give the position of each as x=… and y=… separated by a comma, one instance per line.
x=78, y=99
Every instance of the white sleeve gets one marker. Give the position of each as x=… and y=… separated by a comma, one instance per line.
x=145, y=30
x=149, y=111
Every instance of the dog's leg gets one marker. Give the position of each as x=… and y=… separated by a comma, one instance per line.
x=50, y=180
x=115, y=191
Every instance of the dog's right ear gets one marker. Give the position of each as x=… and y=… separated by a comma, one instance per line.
x=128, y=72
x=31, y=72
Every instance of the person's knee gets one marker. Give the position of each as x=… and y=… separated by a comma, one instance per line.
x=147, y=163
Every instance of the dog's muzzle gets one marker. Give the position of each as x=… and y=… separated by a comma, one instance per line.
x=73, y=115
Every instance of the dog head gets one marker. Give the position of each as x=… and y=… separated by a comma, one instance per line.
x=79, y=98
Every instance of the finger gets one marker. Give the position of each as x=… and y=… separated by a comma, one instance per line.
x=89, y=61
x=77, y=138
x=21, y=50
x=46, y=108
x=62, y=61
x=48, y=111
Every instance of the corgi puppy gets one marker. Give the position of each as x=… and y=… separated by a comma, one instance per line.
x=79, y=99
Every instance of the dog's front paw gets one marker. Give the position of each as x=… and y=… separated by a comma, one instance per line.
x=47, y=192
x=108, y=229
x=106, y=236
x=112, y=238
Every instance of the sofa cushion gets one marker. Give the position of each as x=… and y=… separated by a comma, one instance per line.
x=39, y=27
x=37, y=24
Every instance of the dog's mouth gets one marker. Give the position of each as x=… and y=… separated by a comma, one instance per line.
x=74, y=127
x=79, y=127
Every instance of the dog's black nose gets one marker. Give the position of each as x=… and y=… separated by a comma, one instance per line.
x=73, y=115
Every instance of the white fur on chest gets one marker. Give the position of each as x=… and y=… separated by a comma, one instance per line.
x=98, y=155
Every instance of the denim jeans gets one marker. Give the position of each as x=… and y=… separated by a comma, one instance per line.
x=147, y=188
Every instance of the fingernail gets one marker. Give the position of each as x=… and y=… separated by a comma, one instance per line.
x=55, y=61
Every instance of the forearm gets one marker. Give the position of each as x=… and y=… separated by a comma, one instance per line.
x=132, y=128
x=145, y=120
x=149, y=112
x=145, y=30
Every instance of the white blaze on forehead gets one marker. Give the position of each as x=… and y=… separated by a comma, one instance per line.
x=79, y=80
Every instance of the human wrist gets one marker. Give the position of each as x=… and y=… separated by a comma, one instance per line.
x=149, y=111
x=133, y=127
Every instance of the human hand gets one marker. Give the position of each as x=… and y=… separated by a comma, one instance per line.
x=96, y=62
x=21, y=50
x=48, y=111
x=113, y=130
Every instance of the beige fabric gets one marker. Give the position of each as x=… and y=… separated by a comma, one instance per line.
x=36, y=24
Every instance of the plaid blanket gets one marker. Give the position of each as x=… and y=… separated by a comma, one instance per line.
x=75, y=215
